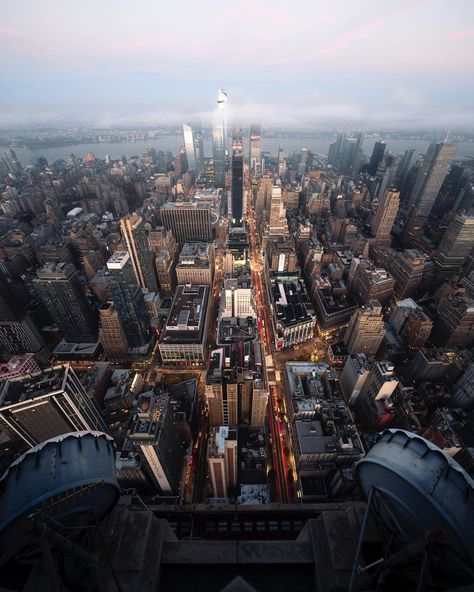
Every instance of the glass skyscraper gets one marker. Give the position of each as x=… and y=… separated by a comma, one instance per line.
x=256, y=150
x=219, y=140
x=431, y=176
x=189, y=146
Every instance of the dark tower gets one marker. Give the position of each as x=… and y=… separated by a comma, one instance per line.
x=377, y=155
x=237, y=195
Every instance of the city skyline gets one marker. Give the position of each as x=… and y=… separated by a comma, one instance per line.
x=237, y=296
x=343, y=63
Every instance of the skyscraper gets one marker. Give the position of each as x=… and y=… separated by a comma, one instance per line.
x=18, y=333
x=431, y=176
x=277, y=220
x=411, y=323
x=409, y=268
x=377, y=156
x=350, y=153
x=259, y=403
x=111, y=334
x=59, y=288
x=281, y=162
x=154, y=434
x=456, y=244
x=372, y=404
x=40, y=406
x=198, y=147
x=136, y=239
x=188, y=221
x=366, y=330
x=189, y=146
x=385, y=216
x=166, y=251
x=237, y=192
x=263, y=196
x=222, y=460
x=12, y=160
x=407, y=162
x=128, y=298
x=256, y=150
x=219, y=139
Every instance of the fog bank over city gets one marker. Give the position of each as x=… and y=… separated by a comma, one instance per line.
x=313, y=115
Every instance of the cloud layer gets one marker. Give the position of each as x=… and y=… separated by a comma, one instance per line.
x=310, y=64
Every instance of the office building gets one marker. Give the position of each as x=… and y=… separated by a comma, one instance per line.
x=237, y=186
x=334, y=310
x=410, y=270
x=281, y=254
x=222, y=389
x=198, y=147
x=411, y=323
x=366, y=330
x=136, y=238
x=258, y=414
x=196, y=264
x=128, y=298
x=188, y=221
x=370, y=283
x=407, y=162
x=456, y=244
x=351, y=154
x=431, y=365
x=377, y=157
x=12, y=160
x=385, y=216
x=166, y=250
x=222, y=460
x=20, y=336
x=353, y=376
x=431, y=176
x=184, y=338
x=237, y=299
x=293, y=316
x=463, y=391
x=321, y=426
x=263, y=196
x=18, y=332
x=454, y=326
x=236, y=392
x=42, y=405
x=111, y=334
x=277, y=223
x=373, y=406
x=60, y=290
x=155, y=436
x=18, y=365
x=256, y=150
x=189, y=146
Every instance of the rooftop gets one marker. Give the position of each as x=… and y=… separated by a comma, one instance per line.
x=195, y=255
x=185, y=205
x=151, y=412
x=118, y=260
x=187, y=316
x=218, y=438
x=234, y=329
x=291, y=302
x=33, y=386
x=71, y=351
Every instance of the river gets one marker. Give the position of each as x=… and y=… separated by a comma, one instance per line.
x=174, y=143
